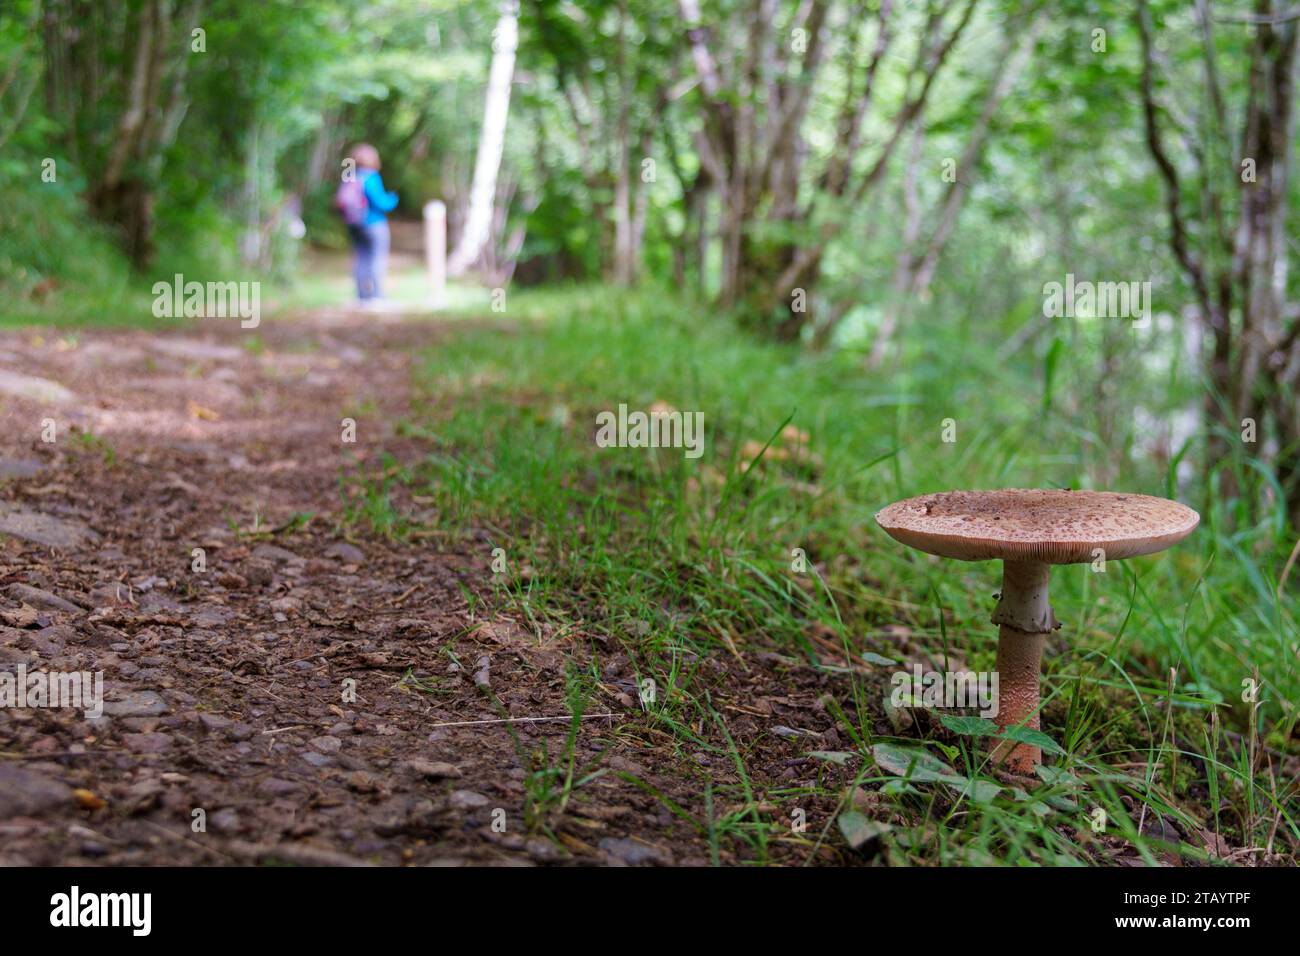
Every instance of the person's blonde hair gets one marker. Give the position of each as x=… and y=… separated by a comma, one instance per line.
x=365, y=156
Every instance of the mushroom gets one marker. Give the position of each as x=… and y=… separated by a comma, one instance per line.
x=1030, y=530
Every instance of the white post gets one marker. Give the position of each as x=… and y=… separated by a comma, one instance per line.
x=435, y=250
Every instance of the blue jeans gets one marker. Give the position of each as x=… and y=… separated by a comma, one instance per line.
x=370, y=251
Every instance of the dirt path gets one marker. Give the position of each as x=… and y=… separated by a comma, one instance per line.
x=230, y=690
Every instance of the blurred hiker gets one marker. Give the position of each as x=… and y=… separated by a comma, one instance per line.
x=363, y=202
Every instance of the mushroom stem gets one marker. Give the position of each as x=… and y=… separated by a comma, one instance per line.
x=1025, y=619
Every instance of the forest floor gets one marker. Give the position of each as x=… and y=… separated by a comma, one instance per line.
x=226, y=688
x=342, y=674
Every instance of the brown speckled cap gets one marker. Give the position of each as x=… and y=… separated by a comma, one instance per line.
x=1053, y=527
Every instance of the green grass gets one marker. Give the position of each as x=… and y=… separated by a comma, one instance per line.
x=674, y=557
x=59, y=267
x=368, y=501
x=326, y=282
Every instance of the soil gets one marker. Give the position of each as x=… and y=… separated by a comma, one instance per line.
x=293, y=699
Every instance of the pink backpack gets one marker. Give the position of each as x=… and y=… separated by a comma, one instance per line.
x=350, y=202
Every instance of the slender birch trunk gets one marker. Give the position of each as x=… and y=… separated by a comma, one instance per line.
x=478, y=221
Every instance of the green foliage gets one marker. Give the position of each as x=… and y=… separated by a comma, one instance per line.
x=48, y=247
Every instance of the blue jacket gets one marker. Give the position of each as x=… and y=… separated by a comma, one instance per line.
x=378, y=199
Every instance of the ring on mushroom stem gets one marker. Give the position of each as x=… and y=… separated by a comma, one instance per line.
x=1029, y=531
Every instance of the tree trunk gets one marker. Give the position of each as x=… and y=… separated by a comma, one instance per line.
x=756, y=98
x=1238, y=272
x=478, y=220
x=120, y=195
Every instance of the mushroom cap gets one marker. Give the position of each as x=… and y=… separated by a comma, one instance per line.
x=1048, y=526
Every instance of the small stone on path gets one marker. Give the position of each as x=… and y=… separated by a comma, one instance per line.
x=43, y=529
x=34, y=388
x=140, y=703
x=24, y=793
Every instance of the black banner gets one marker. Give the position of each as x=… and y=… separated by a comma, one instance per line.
x=303, y=905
